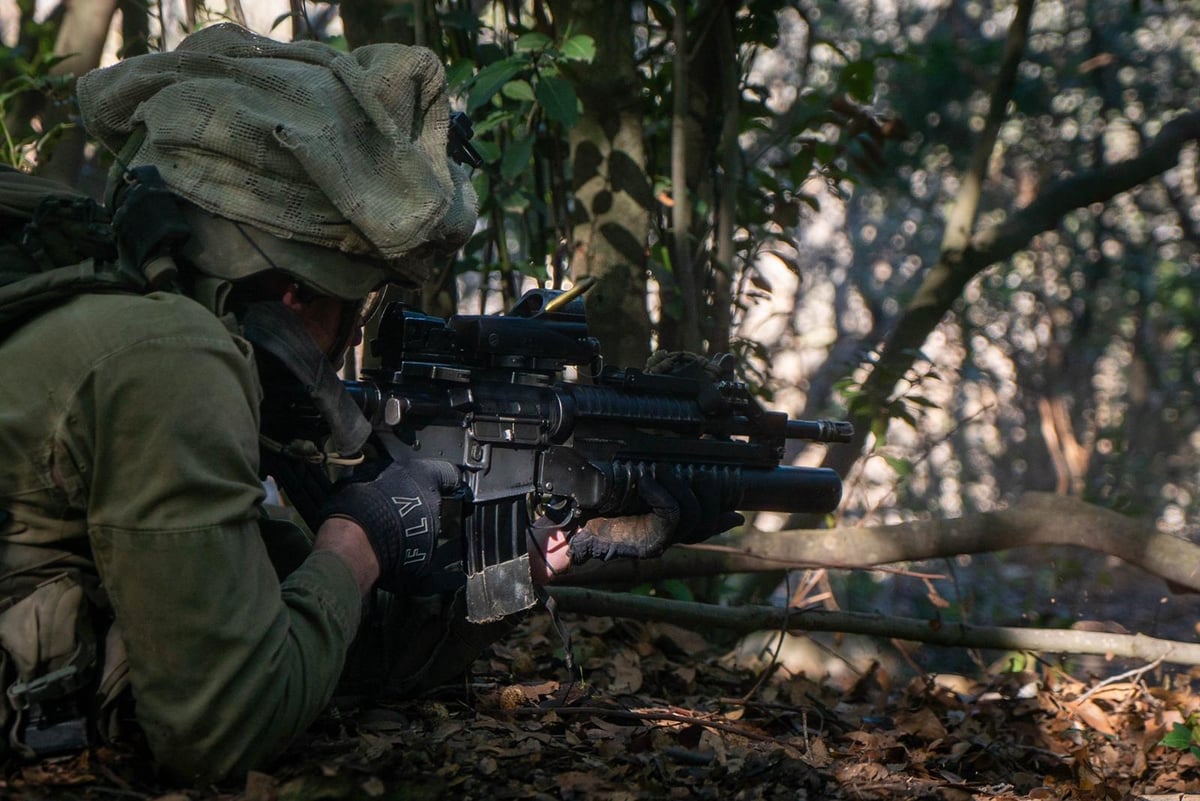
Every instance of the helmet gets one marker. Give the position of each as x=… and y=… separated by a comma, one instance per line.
x=329, y=166
x=232, y=250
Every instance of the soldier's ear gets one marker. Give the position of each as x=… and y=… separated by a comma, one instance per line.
x=293, y=297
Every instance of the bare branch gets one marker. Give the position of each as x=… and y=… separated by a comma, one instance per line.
x=1038, y=519
x=947, y=279
x=961, y=220
x=747, y=619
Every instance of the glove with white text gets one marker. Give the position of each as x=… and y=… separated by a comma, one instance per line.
x=400, y=511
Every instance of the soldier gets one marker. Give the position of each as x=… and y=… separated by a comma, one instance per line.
x=144, y=587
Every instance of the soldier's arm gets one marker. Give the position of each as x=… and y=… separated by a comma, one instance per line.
x=226, y=663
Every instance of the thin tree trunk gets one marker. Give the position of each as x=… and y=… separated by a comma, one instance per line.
x=82, y=35
x=135, y=27
x=610, y=220
x=729, y=177
x=688, y=333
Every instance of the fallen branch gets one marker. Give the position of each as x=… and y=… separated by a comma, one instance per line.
x=1037, y=519
x=746, y=619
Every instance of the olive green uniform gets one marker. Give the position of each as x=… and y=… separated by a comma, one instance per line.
x=129, y=453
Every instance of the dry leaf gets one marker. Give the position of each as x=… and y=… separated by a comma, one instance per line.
x=923, y=723
x=1094, y=717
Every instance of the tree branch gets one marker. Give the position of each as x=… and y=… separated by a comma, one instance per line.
x=961, y=220
x=945, y=281
x=748, y=619
x=932, y=299
x=1037, y=519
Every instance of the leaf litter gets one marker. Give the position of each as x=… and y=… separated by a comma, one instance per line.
x=656, y=711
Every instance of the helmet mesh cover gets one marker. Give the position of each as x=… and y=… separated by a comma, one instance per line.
x=343, y=150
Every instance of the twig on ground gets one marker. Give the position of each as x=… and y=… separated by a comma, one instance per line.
x=1134, y=674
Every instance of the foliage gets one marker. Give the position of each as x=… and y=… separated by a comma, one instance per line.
x=522, y=103
x=1072, y=365
x=25, y=79
x=1184, y=736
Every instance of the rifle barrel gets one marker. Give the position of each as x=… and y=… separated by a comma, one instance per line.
x=821, y=430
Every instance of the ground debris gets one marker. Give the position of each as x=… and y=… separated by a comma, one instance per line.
x=656, y=712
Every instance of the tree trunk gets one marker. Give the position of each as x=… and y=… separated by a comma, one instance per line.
x=930, y=303
x=610, y=222
x=729, y=174
x=948, y=279
x=686, y=289
x=135, y=28
x=82, y=35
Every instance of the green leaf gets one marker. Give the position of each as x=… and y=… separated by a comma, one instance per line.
x=558, y=98
x=902, y=467
x=786, y=213
x=579, y=48
x=516, y=203
x=800, y=166
x=858, y=78
x=664, y=258
x=519, y=90
x=879, y=429
x=489, y=151
x=678, y=590
x=489, y=80
x=338, y=43
x=494, y=119
x=533, y=269
x=532, y=41
x=516, y=158
x=1179, y=737
x=457, y=75
x=900, y=413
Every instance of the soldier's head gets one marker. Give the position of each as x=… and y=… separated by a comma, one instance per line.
x=302, y=170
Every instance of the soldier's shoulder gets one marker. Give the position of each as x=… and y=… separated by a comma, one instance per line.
x=90, y=329
x=120, y=319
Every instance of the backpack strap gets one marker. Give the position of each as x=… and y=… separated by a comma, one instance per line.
x=57, y=243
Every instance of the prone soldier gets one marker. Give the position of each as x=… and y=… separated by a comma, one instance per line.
x=146, y=591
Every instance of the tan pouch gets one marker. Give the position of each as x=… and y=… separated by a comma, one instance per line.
x=50, y=646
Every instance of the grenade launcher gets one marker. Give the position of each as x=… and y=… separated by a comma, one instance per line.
x=492, y=395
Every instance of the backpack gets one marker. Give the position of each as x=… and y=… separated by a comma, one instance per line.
x=56, y=242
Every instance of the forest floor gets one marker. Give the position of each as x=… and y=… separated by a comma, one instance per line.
x=656, y=711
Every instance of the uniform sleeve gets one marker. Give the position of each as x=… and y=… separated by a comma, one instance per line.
x=226, y=663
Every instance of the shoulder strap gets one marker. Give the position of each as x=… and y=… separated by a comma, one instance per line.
x=56, y=242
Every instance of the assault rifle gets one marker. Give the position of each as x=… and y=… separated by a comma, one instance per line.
x=490, y=394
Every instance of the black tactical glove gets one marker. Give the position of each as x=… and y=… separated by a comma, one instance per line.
x=679, y=513
x=400, y=511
